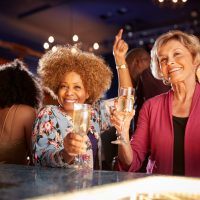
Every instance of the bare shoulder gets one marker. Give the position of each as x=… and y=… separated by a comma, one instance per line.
x=26, y=112
x=24, y=118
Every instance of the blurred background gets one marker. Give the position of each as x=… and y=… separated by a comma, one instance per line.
x=30, y=27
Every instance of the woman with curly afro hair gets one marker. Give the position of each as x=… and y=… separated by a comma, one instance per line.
x=20, y=96
x=73, y=76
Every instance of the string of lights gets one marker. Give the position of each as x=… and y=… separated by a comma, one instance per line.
x=170, y=3
x=75, y=40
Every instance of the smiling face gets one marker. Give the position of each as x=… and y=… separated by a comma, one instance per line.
x=176, y=62
x=71, y=90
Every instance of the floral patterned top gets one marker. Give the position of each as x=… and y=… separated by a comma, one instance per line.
x=52, y=125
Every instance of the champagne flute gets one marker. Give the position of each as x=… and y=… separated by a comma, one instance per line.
x=81, y=124
x=124, y=104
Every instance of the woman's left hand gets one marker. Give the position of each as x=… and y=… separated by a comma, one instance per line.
x=120, y=49
x=121, y=121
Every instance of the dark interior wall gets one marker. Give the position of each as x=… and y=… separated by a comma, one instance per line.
x=112, y=92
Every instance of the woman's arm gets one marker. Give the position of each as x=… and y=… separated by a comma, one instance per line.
x=47, y=139
x=120, y=49
x=125, y=154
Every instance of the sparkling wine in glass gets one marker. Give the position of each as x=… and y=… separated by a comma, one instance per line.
x=125, y=104
x=81, y=124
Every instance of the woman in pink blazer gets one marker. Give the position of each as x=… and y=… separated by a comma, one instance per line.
x=168, y=127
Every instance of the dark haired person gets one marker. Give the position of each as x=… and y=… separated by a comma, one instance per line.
x=20, y=96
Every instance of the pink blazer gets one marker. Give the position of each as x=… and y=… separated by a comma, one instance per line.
x=155, y=133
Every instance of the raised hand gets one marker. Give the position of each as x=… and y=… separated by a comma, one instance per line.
x=120, y=48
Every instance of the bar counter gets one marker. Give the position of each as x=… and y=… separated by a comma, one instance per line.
x=26, y=182
x=40, y=183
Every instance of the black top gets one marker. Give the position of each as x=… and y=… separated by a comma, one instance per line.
x=179, y=125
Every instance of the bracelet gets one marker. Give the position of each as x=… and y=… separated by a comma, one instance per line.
x=123, y=66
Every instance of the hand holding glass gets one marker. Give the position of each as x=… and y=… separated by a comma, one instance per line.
x=81, y=124
x=125, y=104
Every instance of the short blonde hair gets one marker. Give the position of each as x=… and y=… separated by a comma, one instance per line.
x=94, y=72
x=190, y=41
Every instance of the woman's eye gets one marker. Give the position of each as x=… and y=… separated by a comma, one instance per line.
x=63, y=87
x=163, y=60
x=176, y=53
x=77, y=87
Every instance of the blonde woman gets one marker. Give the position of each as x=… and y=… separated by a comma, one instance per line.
x=168, y=125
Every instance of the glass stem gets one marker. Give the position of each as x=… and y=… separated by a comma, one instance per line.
x=121, y=136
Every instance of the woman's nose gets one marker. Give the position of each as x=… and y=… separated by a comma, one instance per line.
x=171, y=61
x=68, y=91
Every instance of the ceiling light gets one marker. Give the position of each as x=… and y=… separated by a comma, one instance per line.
x=151, y=40
x=130, y=34
x=46, y=45
x=51, y=39
x=96, y=46
x=75, y=38
x=141, y=42
x=54, y=48
x=128, y=27
x=122, y=11
x=170, y=3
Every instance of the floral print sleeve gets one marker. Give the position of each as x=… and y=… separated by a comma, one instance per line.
x=47, y=139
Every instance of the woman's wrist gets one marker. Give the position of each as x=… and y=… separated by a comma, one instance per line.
x=120, y=61
x=66, y=157
x=125, y=154
x=122, y=66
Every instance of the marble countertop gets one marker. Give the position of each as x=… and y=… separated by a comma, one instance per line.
x=26, y=182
